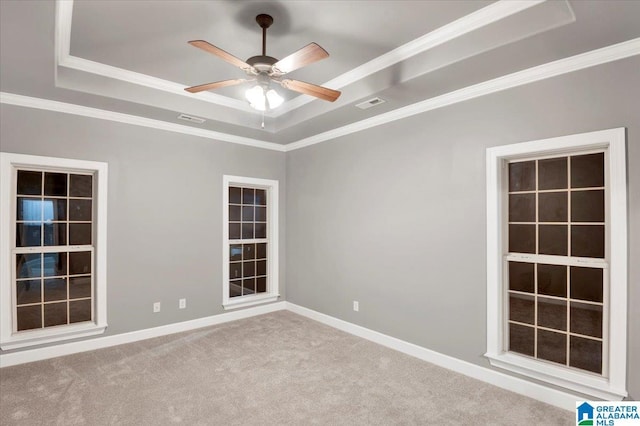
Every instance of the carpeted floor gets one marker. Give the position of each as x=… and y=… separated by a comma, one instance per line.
x=275, y=369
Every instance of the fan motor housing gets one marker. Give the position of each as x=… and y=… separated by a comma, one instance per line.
x=262, y=63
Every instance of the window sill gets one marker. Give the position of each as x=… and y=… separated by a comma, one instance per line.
x=50, y=335
x=586, y=383
x=246, y=301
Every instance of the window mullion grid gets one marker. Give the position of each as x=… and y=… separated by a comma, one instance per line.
x=568, y=271
x=535, y=268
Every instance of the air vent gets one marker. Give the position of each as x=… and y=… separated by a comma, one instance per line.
x=191, y=118
x=370, y=103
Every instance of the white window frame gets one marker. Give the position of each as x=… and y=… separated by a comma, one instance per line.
x=611, y=385
x=9, y=163
x=272, y=294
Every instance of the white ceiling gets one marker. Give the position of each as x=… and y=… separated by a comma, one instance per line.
x=132, y=57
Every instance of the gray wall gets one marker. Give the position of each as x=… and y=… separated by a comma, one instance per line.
x=164, y=208
x=394, y=216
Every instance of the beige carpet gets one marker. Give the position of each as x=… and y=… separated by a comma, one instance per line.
x=275, y=369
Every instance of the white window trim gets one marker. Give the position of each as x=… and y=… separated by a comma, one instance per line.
x=272, y=293
x=613, y=386
x=9, y=162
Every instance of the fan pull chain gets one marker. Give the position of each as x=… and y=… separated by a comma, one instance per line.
x=263, y=119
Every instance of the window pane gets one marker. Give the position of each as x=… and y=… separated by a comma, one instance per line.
x=261, y=230
x=80, y=186
x=261, y=214
x=29, y=317
x=521, y=308
x=55, y=234
x=248, y=195
x=28, y=265
x=235, y=270
x=261, y=251
x=247, y=230
x=552, y=313
x=587, y=206
x=587, y=170
x=79, y=287
x=28, y=234
x=29, y=209
x=234, y=213
x=552, y=239
x=55, y=314
x=261, y=197
x=552, y=280
x=235, y=195
x=55, y=264
x=552, y=173
x=55, y=184
x=522, y=238
x=521, y=276
x=248, y=286
x=522, y=176
x=587, y=241
x=552, y=207
x=28, y=292
x=80, y=210
x=80, y=262
x=249, y=269
x=522, y=207
x=55, y=209
x=79, y=234
x=585, y=354
x=29, y=183
x=249, y=251
x=235, y=252
x=586, y=319
x=552, y=346
x=261, y=285
x=79, y=310
x=234, y=231
x=261, y=267
x=55, y=289
x=247, y=214
x=235, y=288
x=586, y=283
x=521, y=339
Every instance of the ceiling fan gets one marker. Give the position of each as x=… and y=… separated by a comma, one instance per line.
x=265, y=69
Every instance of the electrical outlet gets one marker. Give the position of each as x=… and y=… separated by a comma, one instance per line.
x=182, y=303
x=156, y=307
x=356, y=306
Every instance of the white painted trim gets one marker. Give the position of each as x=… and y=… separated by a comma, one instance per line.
x=273, y=253
x=550, y=396
x=31, y=355
x=62, y=107
x=609, y=386
x=531, y=75
x=8, y=163
x=476, y=20
x=553, y=69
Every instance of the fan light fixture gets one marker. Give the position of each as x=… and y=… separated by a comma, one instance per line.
x=262, y=99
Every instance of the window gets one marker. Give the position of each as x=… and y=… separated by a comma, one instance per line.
x=250, y=251
x=556, y=272
x=53, y=249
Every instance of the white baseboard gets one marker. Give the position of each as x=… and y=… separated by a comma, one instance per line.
x=532, y=390
x=37, y=354
x=542, y=393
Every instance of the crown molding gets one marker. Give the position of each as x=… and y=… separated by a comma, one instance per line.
x=552, y=69
x=67, y=108
x=478, y=19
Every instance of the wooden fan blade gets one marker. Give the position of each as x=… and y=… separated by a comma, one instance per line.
x=208, y=47
x=307, y=55
x=216, y=85
x=311, y=89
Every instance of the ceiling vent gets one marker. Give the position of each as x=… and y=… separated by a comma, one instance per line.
x=191, y=118
x=370, y=103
